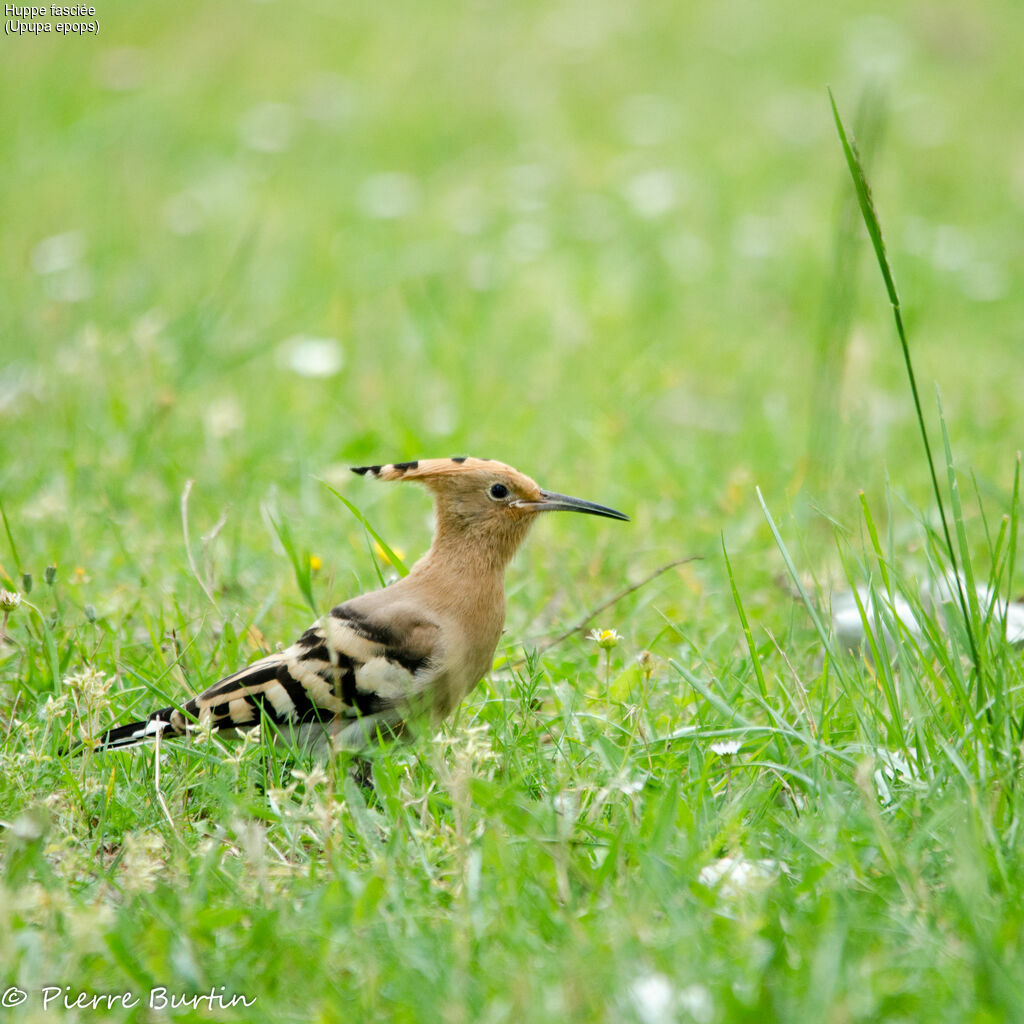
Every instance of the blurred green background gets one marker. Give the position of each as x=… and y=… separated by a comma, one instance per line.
x=595, y=241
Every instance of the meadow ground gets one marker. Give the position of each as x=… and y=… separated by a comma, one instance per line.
x=247, y=245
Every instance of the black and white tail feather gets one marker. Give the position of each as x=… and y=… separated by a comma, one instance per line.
x=347, y=680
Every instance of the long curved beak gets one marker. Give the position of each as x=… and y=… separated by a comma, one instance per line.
x=550, y=501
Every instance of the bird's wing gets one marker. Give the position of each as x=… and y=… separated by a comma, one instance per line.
x=355, y=665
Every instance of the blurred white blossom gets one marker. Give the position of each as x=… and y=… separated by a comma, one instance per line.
x=653, y=996
x=223, y=416
x=658, y=1001
x=58, y=252
x=734, y=877
x=311, y=357
x=652, y=193
x=59, y=261
x=267, y=127
x=389, y=195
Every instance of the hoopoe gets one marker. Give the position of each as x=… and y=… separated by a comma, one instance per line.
x=415, y=648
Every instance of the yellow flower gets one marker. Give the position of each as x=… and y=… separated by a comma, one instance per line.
x=606, y=639
x=383, y=555
x=316, y=563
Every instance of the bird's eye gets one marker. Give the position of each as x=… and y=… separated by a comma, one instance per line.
x=498, y=491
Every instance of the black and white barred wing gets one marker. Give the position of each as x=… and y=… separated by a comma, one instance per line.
x=350, y=676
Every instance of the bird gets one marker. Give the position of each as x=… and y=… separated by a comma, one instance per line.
x=386, y=658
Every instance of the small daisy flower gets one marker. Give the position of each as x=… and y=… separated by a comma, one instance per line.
x=726, y=748
x=606, y=639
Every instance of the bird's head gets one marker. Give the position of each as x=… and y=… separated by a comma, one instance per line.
x=485, y=500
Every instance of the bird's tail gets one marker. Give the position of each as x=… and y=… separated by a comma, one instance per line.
x=137, y=732
x=294, y=689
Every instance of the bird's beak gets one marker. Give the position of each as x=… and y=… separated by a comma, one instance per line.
x=550, y=501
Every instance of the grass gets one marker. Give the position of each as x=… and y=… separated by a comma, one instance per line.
x=595, y=245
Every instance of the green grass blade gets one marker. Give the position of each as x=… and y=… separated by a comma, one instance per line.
x=819, y=626
x=397, y=562
x=755, y=658
x=867, y=205
x=1011, y=553
x=835, y=323
x=10, y=539
x=871, y=222
x=301, y=565
x=49, y=644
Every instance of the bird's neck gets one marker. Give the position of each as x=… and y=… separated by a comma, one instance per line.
x=465, y=566
x=463, y=559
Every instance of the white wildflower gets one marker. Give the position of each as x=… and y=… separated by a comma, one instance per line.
x=606, y=639
x=733, y=877
x=281, y=797
x=202, y=731
x=250, y=738
x=653, y=996
x=726, y=748
x=316, y=776
x=89, y=686
x=55, y=707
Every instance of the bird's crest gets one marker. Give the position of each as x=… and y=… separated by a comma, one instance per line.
x=432, y=469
